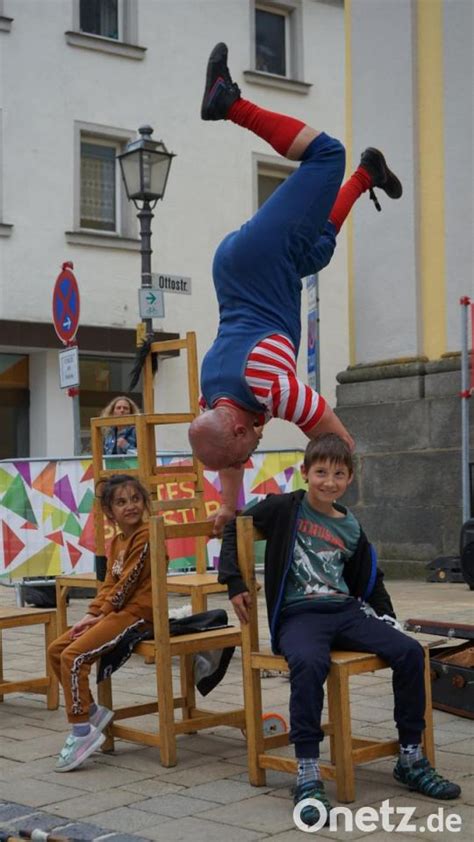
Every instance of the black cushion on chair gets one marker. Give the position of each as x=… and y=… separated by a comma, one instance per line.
x=212, y=665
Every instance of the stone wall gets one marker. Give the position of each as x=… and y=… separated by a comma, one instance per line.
x=406, y=420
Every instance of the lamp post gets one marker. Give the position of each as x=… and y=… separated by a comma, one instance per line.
x=145, y=167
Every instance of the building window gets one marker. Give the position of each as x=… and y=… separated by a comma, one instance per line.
x=100, y=17
x=107, y=26
x=102, y=216
x=276, y=37
x=272, y=40
x=268, y=178
x=99, y=207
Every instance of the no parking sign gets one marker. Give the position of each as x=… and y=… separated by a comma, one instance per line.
x=66, y=304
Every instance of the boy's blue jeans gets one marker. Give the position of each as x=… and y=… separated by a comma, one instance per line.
x=306, y=638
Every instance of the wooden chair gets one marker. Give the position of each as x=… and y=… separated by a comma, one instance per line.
x=14, y=618
x=196, y=585
x=161, y=650
x=346, y=751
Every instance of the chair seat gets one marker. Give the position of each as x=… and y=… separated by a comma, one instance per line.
x=13, y=617
x=184, y=582
x=214, y=639
x=266, y=659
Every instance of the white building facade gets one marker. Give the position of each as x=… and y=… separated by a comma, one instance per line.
x=77, y=79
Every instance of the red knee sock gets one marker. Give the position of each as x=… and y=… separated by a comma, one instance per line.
x=358, y=183
x=277, y=129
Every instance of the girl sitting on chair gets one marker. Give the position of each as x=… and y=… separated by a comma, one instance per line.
x=124, y=602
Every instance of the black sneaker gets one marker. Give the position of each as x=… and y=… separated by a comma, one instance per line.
x=220, y=91
x=421, y=777
x=374, y=162
x=313, y=789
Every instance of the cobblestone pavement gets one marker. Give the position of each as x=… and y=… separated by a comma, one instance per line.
x=128, y=795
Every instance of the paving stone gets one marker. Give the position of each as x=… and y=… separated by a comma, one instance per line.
x=206, y=743
x=176, y=806
x=275, y=780
x=36, y=793
x=223, y=791
x=130, y=756
x=127, y=819
x=205, y=772
x=120, y=837
x=40, y=821
x=94, y=777
x=81, y=830
x=9, y=810
x=85, y=806
x=25, y=732
x=262, y=813
x=199, y=830
x=151, y=787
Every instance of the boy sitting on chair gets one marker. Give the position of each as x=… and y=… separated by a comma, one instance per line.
x=324, y=590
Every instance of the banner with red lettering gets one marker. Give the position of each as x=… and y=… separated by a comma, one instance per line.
x=47, y=522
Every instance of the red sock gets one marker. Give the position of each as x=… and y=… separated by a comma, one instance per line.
x=358, y=183
x=277, y=129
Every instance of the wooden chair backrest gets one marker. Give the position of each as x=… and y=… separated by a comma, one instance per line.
x=159, y=534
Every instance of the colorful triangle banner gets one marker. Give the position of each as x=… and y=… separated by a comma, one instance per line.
x=12, y=544
x=44, y=482
x=74, y=553
x=16, y=499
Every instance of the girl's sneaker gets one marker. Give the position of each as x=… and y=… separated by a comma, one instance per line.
x=101, y=718
x=421, y=777
x=78, y=749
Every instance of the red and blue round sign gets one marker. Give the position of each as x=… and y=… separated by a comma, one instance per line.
x=66, y=304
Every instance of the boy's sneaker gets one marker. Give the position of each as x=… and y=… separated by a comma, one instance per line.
x=78, y=749
x=313, y=789
x=421, y=777
x=220, y=91
x=101, y=718
x=375, y=164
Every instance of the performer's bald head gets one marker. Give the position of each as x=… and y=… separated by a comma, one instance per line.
x=220, y=440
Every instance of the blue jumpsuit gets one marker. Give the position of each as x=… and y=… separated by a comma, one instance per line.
x=257, y=270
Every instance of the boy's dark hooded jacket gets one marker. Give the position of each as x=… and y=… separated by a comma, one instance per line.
x=276, y=518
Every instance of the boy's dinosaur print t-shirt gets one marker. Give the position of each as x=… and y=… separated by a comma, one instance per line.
x=322, y=546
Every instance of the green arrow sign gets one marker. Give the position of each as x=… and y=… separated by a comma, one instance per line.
x=151, y=298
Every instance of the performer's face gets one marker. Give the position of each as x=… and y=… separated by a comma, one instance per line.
x=247, y=444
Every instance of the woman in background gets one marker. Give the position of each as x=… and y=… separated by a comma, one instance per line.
x=120, y=440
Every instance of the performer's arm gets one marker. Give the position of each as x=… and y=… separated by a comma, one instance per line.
x=330, y=423
x=231, y=481
x=294, y=401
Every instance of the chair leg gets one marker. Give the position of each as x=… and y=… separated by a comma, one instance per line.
x=428, y=738
x=187, y=685
x=52, y=693
x=340, y=714
x=164, y=692
x=104, y=697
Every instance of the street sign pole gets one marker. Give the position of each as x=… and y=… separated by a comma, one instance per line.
x=66, y=310
x=76, y=415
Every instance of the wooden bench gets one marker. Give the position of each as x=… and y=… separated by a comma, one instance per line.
x=14, y=618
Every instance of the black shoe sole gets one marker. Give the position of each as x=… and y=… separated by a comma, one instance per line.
x=392, y=185
x=218, y=54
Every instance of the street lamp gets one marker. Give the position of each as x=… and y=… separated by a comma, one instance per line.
x=145, y=167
